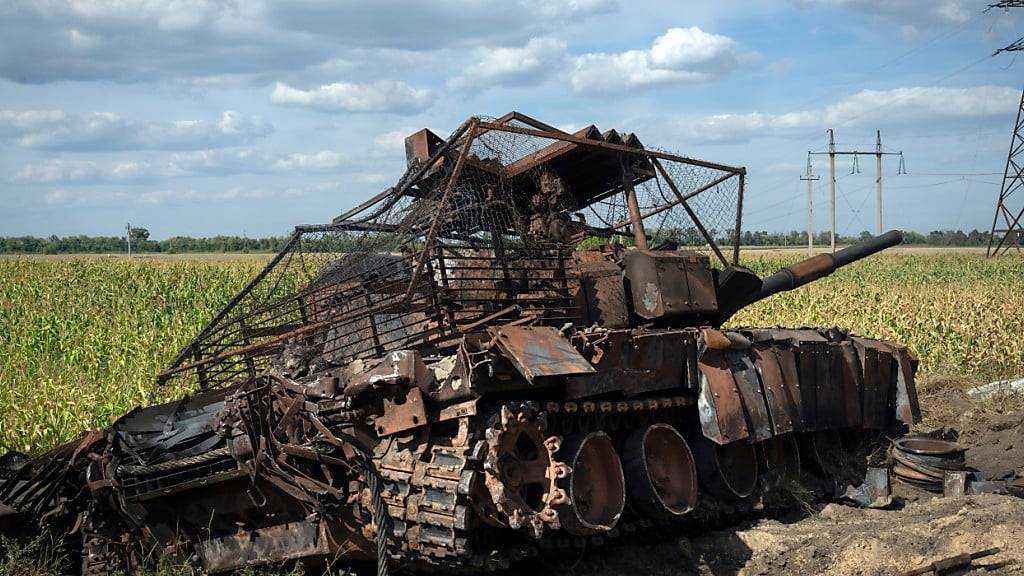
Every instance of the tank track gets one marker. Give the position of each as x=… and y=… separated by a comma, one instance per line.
x=431, y=511
x=428, y=490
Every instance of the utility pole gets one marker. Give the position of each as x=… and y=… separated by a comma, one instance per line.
x=878, y=164
x=832, y=153
x=129, y=237
x=1013, y=174
x=810, y=204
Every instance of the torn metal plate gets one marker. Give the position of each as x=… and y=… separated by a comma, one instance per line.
x=720, y=408
x=538, y=351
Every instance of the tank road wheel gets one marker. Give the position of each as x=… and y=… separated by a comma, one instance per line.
x=780, y=455
x=661, y=476
x=728, y=471
x=596, y=487
x=520, y=472
x=824, y=453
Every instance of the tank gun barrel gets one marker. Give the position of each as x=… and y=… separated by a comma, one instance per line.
x=822, y=265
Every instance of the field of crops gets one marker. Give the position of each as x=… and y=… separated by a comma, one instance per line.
x=81, y=339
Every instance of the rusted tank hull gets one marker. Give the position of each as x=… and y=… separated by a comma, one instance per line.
x=464, y=371
x=275, y=469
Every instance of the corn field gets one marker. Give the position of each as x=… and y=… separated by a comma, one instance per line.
x=81, y=339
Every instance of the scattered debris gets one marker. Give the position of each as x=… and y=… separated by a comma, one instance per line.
x=947, y=565
x=924, y=461
x=997, y=387
x=875, y=492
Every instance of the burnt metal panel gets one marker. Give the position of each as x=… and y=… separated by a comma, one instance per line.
x=604, y=294
x=791, y=377
x=779, y=396
x=749, y=386
x=538, y=351
x=874, y=416
x=663, y=355
x=719, y=406
x=692, y=370
x=880, y=374
x=670, y=284
x=907, y=408
x=848, y=371
x=399, y=417
x=261, y=546
x=806, y=359
x=830, y=409
x=633, y=364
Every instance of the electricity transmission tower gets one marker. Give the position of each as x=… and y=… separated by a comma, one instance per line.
x=1007, y=227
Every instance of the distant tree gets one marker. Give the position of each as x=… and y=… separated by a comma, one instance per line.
x=140, y=234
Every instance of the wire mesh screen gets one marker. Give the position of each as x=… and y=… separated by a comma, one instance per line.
x=481, y=231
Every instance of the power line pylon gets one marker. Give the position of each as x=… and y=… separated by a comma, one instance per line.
x=1009, y=234
x=877, y=152
x=1013, y=175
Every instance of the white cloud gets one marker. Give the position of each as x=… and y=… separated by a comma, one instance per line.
x=381, y=96
x=178, y=165
x=145, y=40
x=322, y=160
x=522, y=66
x=391, y=143
x=692, y=49
x=82, y=172
x=946, y=11
x=679, y=55
x=57, y=130
x=164, y=196
x=916, y=105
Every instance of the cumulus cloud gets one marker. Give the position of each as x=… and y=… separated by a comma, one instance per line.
x=179, y=165
x=381, y=96
x=918, y=105
x=530, y=64
x=679, y=55
x=57, y=130
x=201, y=40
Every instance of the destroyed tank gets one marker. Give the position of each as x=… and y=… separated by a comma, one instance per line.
x=516, y=350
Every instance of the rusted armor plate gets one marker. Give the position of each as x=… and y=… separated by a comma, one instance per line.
x=719, y=405
x=603, y=294
x=908, y=409
x=850, y=376
x=669, y=284
x=781, y=397
x=879, y=370
x=401, y=417
x=538, y=351
x=812, y=370
x=749, y=386
x=873, y=405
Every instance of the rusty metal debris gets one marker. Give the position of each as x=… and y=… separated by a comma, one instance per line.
x=875, y=492
x=513, y=349
x=953, y=564
x=924, y=462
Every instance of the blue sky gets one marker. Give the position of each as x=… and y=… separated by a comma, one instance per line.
x=200, y=117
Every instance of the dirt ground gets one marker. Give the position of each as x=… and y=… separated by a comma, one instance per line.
x=842, y=540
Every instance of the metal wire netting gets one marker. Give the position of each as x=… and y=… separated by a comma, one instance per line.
x=481, y=233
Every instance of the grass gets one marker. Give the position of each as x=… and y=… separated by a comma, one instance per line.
x=81, y=339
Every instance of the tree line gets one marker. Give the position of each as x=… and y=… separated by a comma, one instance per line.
x=141, y=242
